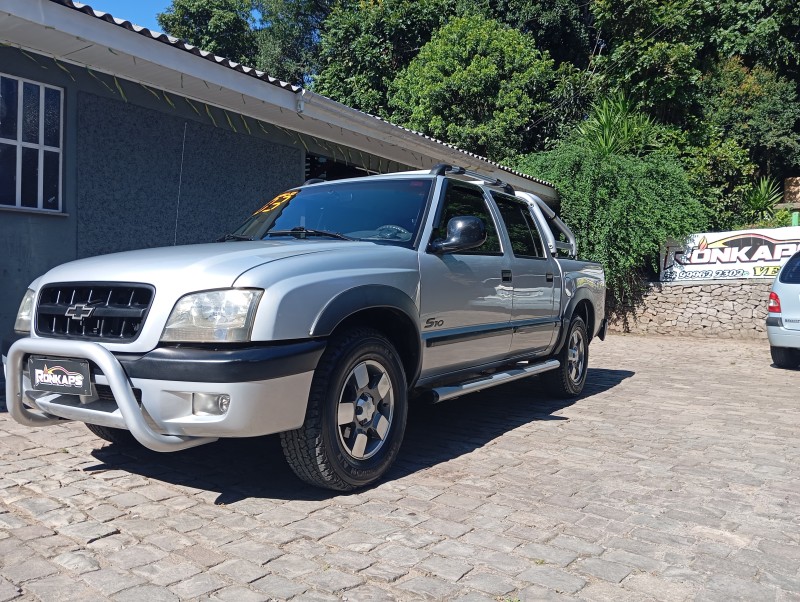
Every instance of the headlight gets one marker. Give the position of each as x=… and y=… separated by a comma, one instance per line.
x=213, y=316
x=25, y=313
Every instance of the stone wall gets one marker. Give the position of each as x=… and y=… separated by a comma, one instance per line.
x=731, y=309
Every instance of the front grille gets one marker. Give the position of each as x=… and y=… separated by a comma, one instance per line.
x=98, y=312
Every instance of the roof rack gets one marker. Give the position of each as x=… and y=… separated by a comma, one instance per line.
x=441, y=169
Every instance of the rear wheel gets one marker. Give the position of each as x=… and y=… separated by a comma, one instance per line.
x=785, y=357
x=356, y=414
x=112, y=435
x=568, y=379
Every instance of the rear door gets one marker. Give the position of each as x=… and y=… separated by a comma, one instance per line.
x=465, y=298
x=534, y=315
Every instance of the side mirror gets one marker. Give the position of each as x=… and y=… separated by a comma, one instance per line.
x=463, y=232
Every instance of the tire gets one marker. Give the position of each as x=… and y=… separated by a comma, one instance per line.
x=112, y=435
x=569, y=378
x=356, y=414
x=785, y=357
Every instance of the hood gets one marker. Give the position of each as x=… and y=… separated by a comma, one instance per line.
x=206, y=266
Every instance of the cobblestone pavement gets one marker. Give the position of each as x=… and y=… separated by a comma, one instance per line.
x=676, y=476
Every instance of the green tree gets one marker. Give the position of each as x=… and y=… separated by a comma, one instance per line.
x=563, y=28
x=657, y=51
x=479, y=85
x=720, y=172
x=762, y=32
x=660, y=50
x=288, y=37
x=623, y=201
x=364, y=45
x=224, y=27
x=279, y=37
x=758, y=110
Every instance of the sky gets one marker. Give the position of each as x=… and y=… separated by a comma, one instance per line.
x=140, y=12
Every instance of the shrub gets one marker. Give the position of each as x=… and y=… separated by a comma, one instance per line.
x=623, y=209
x=760, y=200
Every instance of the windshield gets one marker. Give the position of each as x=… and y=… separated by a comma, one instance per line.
x=385, y=211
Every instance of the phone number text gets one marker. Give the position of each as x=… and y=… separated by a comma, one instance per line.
x=705, y=275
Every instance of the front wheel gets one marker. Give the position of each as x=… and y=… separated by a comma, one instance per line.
x=784, y=357
x=569, y=378
x=356, y=414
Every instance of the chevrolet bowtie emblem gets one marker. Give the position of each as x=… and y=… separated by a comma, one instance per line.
x=79, y=311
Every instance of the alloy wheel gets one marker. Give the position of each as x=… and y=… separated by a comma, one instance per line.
x=365, y=410
x=576, y=356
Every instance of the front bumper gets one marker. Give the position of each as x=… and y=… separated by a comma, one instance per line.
x=151, y=395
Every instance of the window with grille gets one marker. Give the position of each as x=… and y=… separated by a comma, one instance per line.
x=31, y=138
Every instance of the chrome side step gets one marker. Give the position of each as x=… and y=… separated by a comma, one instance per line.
x=498, y=378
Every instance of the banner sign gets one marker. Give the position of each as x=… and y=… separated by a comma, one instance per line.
x=756, y=253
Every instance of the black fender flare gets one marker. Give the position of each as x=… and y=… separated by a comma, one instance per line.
x=579, y=296
x=369, y=296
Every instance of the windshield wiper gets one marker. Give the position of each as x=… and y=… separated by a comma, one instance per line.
x=227, y=237
x=306, y=231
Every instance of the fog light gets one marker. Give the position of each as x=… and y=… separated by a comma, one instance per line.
x=210, y=404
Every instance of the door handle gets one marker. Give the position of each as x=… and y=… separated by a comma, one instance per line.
x=549, y=276
x=506, y=274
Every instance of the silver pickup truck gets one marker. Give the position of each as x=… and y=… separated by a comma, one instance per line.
x=319, y=318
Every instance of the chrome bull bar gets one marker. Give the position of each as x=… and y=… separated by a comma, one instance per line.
x=117, y=380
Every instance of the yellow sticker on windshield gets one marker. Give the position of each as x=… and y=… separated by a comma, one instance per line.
x=279, y=200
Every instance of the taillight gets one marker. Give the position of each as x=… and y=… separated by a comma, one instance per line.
x=774, y=304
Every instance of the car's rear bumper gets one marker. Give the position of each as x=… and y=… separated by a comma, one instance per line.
x=780, y=336
x=159, y=396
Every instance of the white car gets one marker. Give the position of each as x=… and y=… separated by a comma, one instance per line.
x=783, y=322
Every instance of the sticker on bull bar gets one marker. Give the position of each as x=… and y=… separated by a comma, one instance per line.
x=58, y=375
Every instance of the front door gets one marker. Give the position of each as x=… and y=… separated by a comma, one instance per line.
x=465, y=297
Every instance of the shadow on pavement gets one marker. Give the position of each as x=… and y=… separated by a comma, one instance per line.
x=238, y=469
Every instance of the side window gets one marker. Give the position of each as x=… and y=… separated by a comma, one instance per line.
x=30, y=144
x=462, y=199
x=525, y=239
